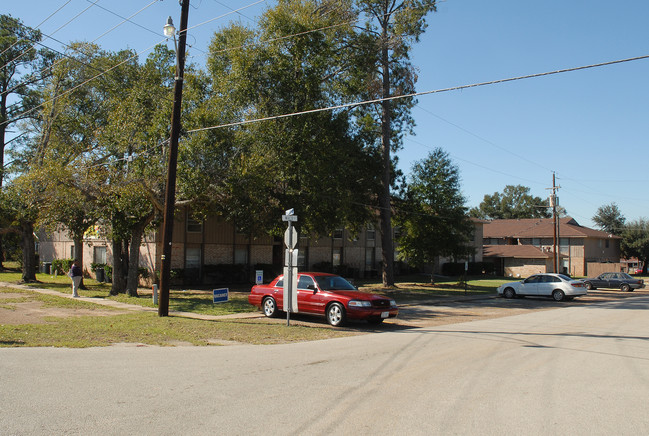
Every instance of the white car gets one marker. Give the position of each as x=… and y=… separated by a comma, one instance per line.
x=557, y=286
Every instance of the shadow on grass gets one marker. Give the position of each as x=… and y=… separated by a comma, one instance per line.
x=203, y=303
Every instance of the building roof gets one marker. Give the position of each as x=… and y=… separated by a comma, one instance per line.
x=515, y=251
x=540, y=228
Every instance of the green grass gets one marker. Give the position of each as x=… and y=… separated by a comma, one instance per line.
x=148, y=328
x=104, y=329
x=415, y=289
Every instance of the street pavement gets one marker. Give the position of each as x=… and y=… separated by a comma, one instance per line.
x=578, y=370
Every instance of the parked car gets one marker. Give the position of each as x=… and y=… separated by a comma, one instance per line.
x=614, y=280
x=325, y=294
x=557, y=286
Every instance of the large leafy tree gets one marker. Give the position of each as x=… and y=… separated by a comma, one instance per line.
x=102, y=146
x=22, y=68
x=315, y=163
x=635, y=241
x=432, y=215
x=610, y=219
x=514, y=202
x=383, y=70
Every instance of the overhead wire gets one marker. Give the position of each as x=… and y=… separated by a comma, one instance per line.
x=60, y=27
x=37, y=26
x=49, y=67
x=417, y=94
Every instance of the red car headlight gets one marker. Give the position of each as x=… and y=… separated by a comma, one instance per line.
x=360, y=303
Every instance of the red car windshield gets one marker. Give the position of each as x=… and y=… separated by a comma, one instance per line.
x=330, y=283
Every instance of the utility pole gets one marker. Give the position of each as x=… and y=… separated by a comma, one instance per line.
x=170, y=193
x=555, y=226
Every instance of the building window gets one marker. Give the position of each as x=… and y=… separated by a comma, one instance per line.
x=370, y=258
x=301, y=257
x=241, y=255
x=193, y=258
x=371, y=233
x=337, y=257
x=193, y=225
x=99, y=255
x=536, y=242
x=607, y=243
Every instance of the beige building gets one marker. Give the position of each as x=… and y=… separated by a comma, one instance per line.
x=521, y=247
x=212, y=251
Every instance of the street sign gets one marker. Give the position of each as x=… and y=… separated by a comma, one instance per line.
x=290, y=237
x=290, y=290
x=259, y=276
x=220, y=295
x=291, y=218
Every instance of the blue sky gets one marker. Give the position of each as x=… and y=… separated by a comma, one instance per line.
x=591, y=127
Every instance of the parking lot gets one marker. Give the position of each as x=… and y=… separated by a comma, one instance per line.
x=454, y=310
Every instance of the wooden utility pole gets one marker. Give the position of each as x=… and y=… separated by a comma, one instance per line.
x=555, y=220
x=170, y=193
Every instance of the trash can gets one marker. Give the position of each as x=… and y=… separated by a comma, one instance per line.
x=100, y=275
x=47, y=267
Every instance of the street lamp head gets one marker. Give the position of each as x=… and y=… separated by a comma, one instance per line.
x=169, y=28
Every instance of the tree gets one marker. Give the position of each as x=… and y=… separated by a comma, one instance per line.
x=610, y=219
x=635, y=241
x=384, y=70
x=514, y=202
x=23, y=198
x=315, y=163
x=22, y=68
x=432, y=216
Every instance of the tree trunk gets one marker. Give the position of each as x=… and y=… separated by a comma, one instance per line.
x=29, y=253
x=134, y=261
x=78, y=255
x=119, y=285
x=387, y=248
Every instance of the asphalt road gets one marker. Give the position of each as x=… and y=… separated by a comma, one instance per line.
x=578, y=370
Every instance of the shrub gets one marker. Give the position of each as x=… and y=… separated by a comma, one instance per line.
x=61, y=266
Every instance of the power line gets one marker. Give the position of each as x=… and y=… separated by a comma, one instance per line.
x=81, y=84
x=417, y=94
x=483, y=139
x=74, y=49
x=37, y=26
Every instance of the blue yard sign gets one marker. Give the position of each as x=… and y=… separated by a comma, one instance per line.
x=220, y=295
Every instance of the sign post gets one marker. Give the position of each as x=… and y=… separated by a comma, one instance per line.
x=290, y=268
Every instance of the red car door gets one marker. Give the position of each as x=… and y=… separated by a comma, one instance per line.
x=310, y=299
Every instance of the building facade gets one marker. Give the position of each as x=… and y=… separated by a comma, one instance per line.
x=521, y=247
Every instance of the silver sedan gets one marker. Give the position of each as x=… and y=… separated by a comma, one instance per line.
x=558, y=286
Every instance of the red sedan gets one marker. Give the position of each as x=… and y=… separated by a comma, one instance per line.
x=325, y=294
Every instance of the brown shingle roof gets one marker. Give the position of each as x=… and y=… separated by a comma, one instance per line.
x=516, y=251
x=540, y=228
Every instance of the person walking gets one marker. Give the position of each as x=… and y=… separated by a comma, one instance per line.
x=76, y=275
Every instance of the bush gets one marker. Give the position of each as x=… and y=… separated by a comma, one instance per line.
x=61, y=266
x=226, y=273
x=475, y=268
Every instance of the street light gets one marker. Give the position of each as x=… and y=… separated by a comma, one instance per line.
x=170, y=193
x=169, y=29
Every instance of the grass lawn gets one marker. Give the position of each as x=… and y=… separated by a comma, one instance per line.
x=94, y=325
